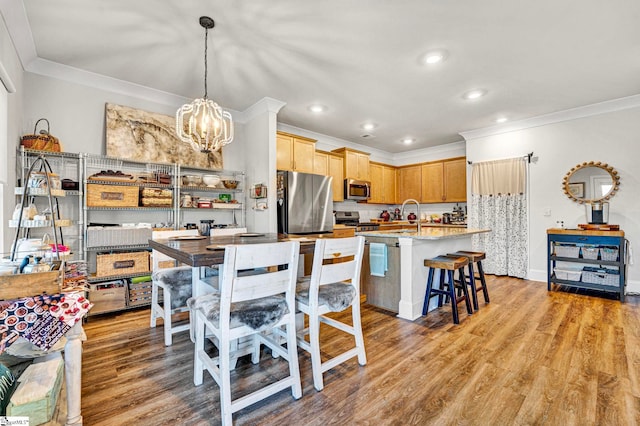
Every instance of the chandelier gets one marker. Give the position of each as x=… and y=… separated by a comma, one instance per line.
x=202, y=123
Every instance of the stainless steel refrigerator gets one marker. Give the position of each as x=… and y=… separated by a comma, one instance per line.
x=305, y=203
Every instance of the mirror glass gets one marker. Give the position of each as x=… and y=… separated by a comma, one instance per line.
x=591, y=181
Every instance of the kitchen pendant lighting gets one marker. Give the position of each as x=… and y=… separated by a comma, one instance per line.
x=202, y=123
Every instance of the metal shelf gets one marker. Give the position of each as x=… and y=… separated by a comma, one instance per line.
x=130, y=208
x=40, y=192
x=94, y=279
x=122, y=247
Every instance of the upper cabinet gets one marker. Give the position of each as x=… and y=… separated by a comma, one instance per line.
x=336, y=171
x=295, y=153
x=444, y=181
x=383, y=183
x=409, y=182
x=356, y=164
x=321, y=163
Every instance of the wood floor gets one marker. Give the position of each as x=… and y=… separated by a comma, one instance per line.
x=529, y=357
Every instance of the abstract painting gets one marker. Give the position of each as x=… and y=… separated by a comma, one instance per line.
x=148, y=136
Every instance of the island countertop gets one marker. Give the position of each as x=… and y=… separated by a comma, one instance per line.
x=426, y=233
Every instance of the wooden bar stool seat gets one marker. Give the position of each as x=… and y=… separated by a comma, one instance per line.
x=474, y=257
x=447, y=289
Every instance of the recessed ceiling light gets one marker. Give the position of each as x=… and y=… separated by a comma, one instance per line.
x=408, y=141
x=474, y=94
x=369, y=126
x=317, y=108
x=434, y=57
x=501, y=120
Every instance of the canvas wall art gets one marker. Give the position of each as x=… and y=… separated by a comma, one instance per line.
x=148, y=136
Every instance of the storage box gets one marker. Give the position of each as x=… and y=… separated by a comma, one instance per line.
x=140, y=293
x=603, y=276
x=567, y=251
x=122, y=263
x=108, y=296
x=112, y=195
x=609, y=253
x=98, y=236
x=37, y=394
x=568, y=273
x=591, y=253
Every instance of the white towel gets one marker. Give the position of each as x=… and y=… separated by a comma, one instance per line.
x=378, y=259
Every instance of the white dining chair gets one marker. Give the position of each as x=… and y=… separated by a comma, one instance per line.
x=249, y=305
x=175, y=283
x=333, y=287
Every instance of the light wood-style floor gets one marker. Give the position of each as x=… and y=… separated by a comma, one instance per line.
x=529, y=357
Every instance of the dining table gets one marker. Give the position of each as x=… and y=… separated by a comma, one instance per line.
x=203, y=252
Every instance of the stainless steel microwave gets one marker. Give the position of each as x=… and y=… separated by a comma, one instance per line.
x=357, y=190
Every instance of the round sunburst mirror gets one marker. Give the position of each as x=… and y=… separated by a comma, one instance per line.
x=590, y=182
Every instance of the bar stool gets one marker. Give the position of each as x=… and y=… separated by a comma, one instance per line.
x=447, y=289
x=475, y=257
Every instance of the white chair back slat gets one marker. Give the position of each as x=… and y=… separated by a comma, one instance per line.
x=246, y=257
x=260, y=285
x=332, y=273
x=163, y=235
x=258, y=256
x=334, y=248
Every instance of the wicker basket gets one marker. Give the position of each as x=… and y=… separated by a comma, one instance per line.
x=122, y=263
x=112, y=195
x=590, y=253
x=602, y=276
x=42, y=141
x=609, y=253
x=567, y=251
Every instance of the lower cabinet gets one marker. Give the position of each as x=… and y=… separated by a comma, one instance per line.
x=593, y=260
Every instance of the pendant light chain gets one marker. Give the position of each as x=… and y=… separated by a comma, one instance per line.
x=206, y=38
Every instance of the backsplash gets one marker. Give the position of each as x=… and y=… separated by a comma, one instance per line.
x=372, y=211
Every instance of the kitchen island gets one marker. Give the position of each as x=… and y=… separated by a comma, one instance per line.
x=414, y=249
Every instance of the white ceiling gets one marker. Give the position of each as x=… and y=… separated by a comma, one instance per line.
x=359, y=58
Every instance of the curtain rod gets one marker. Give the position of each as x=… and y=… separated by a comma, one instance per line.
x=528, y=157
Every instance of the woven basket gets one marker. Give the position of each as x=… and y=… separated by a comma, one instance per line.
x=42, y=141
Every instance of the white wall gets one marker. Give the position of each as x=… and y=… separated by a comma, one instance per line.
x=608, y=137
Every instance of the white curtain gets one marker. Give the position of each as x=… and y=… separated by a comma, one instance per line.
x=499, y=203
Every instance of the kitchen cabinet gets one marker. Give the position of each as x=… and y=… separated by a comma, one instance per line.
x=336, y=171
x=356, y=164
x=383, y=183
x=321, y=163
x=409, y=182
x=444, y=181
x=583, y=259
x=295, y=153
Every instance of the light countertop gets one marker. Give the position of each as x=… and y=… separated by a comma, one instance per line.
x=427, y=233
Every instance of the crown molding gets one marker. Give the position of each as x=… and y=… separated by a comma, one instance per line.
x=403, y=157
x=556, y=117
x=75, y=75
x=14, y=16
x=265, y=104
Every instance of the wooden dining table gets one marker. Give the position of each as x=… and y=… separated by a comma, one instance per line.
x=200, y=253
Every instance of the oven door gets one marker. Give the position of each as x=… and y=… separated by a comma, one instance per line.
x=357, y=189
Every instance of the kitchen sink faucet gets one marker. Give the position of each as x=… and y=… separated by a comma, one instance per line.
x=411, y=200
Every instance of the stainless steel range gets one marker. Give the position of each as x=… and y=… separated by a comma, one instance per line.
x=353, y=219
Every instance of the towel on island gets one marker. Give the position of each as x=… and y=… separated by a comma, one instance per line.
x=378, y=259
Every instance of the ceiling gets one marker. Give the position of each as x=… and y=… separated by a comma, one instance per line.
x=361, y=59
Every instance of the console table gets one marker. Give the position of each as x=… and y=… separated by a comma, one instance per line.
x=596, y=259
